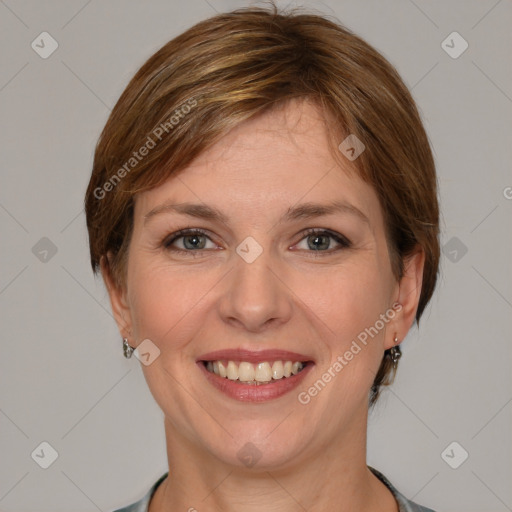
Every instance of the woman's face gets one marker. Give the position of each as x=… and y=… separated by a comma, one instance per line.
x=257, y=286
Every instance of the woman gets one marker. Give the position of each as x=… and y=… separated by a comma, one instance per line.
x=263, y=210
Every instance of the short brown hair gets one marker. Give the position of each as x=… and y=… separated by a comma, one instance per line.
x=240, y=64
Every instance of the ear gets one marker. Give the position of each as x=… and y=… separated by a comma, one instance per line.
x=118, y=298
x=408, y=296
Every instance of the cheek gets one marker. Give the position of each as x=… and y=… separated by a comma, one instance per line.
x=349, y=300
x=355, y=302
x=168, y=304
x=356, y=348
x=159, y=298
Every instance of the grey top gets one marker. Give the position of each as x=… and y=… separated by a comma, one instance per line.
x=404, y=505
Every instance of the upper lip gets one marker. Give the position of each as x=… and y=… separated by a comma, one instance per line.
x=251, y=356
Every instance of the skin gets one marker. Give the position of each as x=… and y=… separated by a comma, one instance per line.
x=291, y=297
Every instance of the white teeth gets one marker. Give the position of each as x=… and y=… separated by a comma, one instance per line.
x=263, y=373
x=222, y=370
x=277, y=370
x=254, y=374
x=296, y=367
x=231, y=371
x=245, y=372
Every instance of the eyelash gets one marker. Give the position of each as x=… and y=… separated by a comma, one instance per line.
x=167, y=242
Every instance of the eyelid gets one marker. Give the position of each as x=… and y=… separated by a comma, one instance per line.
x=341, y=240
x=168, y=240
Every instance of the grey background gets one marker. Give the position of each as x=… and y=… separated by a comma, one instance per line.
x=63, y=377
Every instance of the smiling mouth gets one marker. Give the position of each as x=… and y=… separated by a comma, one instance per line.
x=264, y=372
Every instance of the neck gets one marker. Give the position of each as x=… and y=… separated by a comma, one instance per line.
x=335, y=479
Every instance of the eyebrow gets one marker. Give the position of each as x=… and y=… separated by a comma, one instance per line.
x=302, y=211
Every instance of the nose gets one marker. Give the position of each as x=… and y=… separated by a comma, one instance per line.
x=255, y=295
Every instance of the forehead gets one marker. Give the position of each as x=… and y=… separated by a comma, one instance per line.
x=294, y=131
x=266, y=164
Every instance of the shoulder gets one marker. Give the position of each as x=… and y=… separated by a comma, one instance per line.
x=404, y=505
x=143, y=504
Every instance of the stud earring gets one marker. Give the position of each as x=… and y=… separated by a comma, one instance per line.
x=127, y=350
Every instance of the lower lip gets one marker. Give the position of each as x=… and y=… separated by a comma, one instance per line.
x=252, y=392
